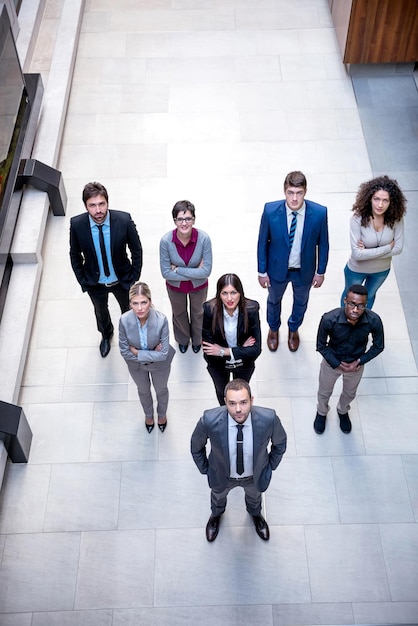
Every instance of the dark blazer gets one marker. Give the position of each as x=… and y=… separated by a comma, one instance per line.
x=214, y=426
x=158, y=332
x=248, y=355
x=83, y=257
x=273, y=242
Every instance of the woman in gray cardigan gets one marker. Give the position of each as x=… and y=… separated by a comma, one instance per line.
x=144, y=344
x=186, y=263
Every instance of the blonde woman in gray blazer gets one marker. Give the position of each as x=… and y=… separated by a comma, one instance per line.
x=186, y=263
x=144, y=344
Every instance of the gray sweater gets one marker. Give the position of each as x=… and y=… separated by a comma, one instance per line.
x=377, y=254
x=169, y=256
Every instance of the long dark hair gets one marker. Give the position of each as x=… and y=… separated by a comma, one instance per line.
x=216, y=303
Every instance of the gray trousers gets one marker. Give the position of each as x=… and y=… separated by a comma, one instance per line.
x=142, y=374
x=252, y=496
x=187, y=315
x=328, y=376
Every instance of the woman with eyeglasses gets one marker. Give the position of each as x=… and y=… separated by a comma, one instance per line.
x=186, y=264
x=231, y=334
x=376, y=234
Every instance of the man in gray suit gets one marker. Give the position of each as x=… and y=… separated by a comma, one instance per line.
x=239, y=435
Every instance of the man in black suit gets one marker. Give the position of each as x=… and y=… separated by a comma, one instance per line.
x=239, y=434
x=98, y=243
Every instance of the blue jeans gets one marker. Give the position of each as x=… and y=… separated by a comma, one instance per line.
x=300, y=301
x=372, y=282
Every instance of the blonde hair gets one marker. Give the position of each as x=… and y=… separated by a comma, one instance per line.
x=139, y=289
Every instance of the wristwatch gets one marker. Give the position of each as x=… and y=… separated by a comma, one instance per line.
x=221, y=352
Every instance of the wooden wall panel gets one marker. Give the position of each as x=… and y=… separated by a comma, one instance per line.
x=376, y=31
x=341, y=12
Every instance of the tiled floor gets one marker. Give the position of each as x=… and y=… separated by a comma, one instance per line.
x=214, y=101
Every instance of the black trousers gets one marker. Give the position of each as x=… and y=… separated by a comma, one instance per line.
x=99, y=295
x=221, y=376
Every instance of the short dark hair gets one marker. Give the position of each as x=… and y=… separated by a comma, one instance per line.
x=236, y=384
x=295, y=179
x=181, y=206
x=360, y=290
x=94, y=189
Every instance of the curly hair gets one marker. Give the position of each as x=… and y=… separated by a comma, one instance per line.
x=363, y=202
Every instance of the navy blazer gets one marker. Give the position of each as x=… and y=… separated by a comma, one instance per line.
x=213, y=425
x=248, y=355
x=273, y=242
x=83, y=257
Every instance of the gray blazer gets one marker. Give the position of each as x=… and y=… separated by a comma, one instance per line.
x=169, y=256
x=157, y=333
x=214, y=426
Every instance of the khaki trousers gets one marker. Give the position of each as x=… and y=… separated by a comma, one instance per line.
x=328, y=376
x=187, y=315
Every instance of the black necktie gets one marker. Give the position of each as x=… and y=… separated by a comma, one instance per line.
x=292, y=229
x=103, y=250
x=240, y=451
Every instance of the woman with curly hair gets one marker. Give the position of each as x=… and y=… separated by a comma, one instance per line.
x=376, y=234
x=231, y=334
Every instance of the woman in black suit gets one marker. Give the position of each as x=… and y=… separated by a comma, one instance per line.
x=231, y=334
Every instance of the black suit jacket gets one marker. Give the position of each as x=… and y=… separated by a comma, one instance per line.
x=248, y=355
x=83, y=257
x=267, y=429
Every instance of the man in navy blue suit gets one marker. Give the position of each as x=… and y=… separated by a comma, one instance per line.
x=292, y=248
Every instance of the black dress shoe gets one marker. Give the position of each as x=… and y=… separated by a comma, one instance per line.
x=345, y=422
x=319, y=424
x=212, y=527
x=105, y=346
x=162, y=426
x=183, y=348
x=196, y=349
x=261, y=527
x=149, y=427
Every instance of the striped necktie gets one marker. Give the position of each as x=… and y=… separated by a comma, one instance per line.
x=292, y=229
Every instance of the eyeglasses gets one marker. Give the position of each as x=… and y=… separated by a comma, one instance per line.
x=353, y=305
x=185, y=220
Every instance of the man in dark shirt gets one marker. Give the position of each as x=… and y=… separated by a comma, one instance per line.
x=342, y=339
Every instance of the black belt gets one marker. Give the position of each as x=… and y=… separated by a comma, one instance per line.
x=293, y=269
x=109, y=285
x=242, y=478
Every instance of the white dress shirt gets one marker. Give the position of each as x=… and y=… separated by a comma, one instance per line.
x=247, y=432
x=230, y=330
x=294, y=258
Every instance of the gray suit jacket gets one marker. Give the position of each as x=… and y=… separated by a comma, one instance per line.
x=214, y=426
x=157, y=332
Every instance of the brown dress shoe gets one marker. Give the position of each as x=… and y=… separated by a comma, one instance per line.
x=273, y=340
x=293, y=341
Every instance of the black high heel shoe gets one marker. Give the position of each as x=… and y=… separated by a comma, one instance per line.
x=149, y=427
x=162, y=427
